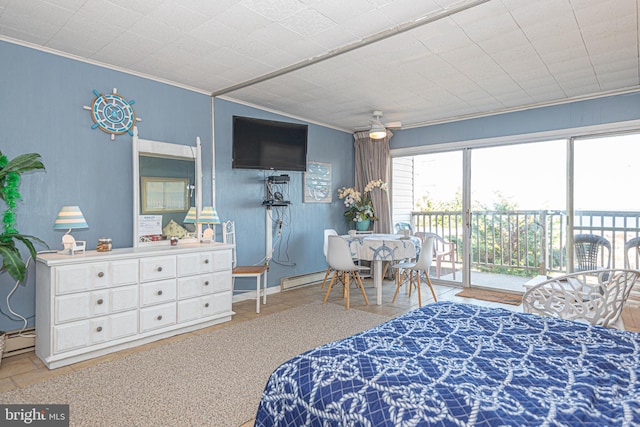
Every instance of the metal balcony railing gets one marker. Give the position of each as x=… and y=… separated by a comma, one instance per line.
x=531, y=241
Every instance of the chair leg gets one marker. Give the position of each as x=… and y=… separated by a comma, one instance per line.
x=258, y=293
x=418, y=287
x=453, y=266
x=346, y=285
x=399, y=279
x=431, y=286
x=326, y=276
x=333, y=279
x=359, y=280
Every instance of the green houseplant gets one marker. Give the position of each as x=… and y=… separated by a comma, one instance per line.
x=10, y=172
x=359, y=205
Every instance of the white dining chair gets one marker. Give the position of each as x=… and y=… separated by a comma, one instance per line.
x=415, y=269
x=327, y=232
x=252, y=271
x=596, y=297
x=341, y=262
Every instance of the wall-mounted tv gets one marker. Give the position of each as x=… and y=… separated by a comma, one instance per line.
x=268, y=144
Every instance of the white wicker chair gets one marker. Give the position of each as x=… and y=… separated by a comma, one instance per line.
x=596, y=297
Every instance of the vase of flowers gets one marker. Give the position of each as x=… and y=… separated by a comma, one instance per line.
x=359, y=206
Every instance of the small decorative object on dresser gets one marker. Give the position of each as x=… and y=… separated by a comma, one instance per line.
x=71, y=218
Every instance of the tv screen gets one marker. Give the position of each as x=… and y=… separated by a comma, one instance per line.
x=268, y=144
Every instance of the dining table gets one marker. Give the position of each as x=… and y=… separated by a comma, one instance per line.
x=379, y=248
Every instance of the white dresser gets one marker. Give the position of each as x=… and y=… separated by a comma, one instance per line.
x=96, y=303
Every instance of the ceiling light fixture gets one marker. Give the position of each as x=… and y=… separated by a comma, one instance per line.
x=377, y=131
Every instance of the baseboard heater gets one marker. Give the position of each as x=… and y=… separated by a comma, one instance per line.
x=18, y=342
x=291, y=282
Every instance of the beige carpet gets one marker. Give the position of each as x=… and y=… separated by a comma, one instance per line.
x=213, y=379
x=495, y=296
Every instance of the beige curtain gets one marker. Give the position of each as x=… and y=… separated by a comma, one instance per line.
x=372, y=162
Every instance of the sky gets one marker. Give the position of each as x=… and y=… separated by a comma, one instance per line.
x=533, y=175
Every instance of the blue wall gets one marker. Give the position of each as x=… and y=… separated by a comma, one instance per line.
x=599, y=111
x=240, y=193
x=41, y=100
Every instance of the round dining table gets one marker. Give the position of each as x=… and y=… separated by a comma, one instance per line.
x=379, y=248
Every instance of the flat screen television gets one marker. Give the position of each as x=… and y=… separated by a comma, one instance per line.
x=268, y=144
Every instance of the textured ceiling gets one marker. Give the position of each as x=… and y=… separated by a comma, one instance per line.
x=335, y=61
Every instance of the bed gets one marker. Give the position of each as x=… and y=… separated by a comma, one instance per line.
x=450, y=364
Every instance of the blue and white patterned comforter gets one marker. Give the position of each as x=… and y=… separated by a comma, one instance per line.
x=450, y=364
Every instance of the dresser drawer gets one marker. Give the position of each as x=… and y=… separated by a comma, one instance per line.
x=219, y=260
x=83, y=305
x=208, y=305
x=188, y=264
x=157, y=292
x=157, y=316
x=157, y=268
x=88, y=332
x=220, y=281
x=77, y=278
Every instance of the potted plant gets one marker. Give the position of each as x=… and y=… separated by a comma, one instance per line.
x=359, y=205
x=10, y=171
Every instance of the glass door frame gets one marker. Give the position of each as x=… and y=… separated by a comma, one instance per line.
x=467, y=147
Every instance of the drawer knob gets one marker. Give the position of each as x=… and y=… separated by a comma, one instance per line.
x=100, y=301
x=206, y=305
x=159, y=317
x=159, y=268
x=160, y=292
x=99, y=329
x=206, y=283
x=101, y=274
x=206, y=261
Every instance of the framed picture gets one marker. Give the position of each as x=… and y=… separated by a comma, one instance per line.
x=317, y=183
x=164, y=195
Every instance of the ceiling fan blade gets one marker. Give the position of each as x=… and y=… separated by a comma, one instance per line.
x=393, y=125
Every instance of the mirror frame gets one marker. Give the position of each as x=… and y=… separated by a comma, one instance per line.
x=168, y=150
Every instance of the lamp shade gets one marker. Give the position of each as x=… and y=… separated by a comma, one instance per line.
x=191, y=216
x=70, y=217
x=208, y=216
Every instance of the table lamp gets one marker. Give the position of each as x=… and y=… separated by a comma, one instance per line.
x=191, y=216
x=209, y=216
x=70, y=218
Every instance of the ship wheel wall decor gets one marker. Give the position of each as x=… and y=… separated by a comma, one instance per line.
x=112, y=113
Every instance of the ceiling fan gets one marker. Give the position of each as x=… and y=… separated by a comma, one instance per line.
x=378, y=130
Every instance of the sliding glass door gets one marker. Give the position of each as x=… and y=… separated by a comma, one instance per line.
x=517, y=202
x=512, y=210
x=606, y=201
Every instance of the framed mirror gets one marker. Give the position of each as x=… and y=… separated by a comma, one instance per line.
x=167, y=193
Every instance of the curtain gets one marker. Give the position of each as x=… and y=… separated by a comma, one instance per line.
x=372, y=162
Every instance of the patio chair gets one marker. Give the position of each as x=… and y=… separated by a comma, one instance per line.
x=403, y=226
x=595, y=297
x=415, y=269
x=590, y=252
x=327, y=232
x=442, y=251
x=632, y=262
x=258, y=272
x=341, y=262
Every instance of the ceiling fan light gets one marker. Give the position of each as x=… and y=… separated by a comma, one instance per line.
x=377, y=131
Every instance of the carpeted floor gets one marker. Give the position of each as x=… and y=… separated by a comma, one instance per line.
x=212, y=379
x=502, y=297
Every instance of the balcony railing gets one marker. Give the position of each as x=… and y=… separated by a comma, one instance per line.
x=530, y=241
